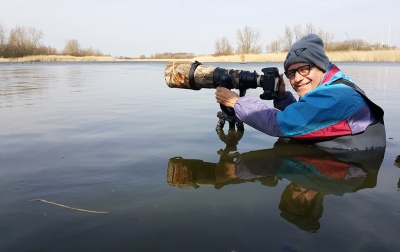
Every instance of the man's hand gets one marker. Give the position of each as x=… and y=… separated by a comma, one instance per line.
x=226, y=97
x=282, y=89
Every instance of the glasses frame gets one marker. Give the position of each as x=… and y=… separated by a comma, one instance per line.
x=293, y=71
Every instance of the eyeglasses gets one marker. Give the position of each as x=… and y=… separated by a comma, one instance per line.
x=303, y=71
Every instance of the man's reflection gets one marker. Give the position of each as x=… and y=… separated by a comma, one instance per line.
x=312, y=172
x=397, y=163
x=302, y=207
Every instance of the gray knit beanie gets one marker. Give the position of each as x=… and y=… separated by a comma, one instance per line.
x=309, y=48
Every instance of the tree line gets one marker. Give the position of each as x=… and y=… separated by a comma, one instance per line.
x=248, y=41
x=169, y=55
x=23, y=41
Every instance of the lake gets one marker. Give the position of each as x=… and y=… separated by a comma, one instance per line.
x=137, y=166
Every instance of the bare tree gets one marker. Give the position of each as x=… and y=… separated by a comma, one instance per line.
x=310, y=28
x=34, y=37
x=3, y=40
x=51, y=50
x=247, y=40
x=72, y=47
x=274, y=46
x=287, y=39
x=2, y=35
x=46, y=50
x=298, y=32
x=327, y=37
x=222, y=47
x=23, y=41
x=91, y=52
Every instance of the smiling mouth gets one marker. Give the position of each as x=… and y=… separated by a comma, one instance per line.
x=302, y=85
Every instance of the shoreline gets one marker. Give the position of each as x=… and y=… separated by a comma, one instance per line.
x=340, y=56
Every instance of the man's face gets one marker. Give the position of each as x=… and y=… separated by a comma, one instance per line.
x=302, y=194
x=303, y=84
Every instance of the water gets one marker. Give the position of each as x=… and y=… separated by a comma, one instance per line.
x=113, y=137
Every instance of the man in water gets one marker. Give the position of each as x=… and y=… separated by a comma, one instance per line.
x=332, y=112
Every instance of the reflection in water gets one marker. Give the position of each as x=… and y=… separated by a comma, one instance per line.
x=397, y=163
x=26, y=82
x=312, y=172
x=231, y=140
x=302, y=207
x=21, y=83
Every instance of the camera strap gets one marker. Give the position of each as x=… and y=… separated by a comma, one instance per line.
x=191, y=75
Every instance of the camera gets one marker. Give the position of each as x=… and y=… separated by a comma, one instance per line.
x=195, y=76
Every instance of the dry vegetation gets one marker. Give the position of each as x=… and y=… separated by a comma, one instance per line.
x=357, y=56
x=269, y=57
x=362, y=56
x=366, y=56
x=22, y=44
x=60, y=58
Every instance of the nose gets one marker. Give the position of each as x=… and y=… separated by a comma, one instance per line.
x=298, y=77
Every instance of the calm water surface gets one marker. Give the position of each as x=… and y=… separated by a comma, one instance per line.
x=112, y=137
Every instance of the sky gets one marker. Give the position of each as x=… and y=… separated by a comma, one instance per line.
x=133, y=28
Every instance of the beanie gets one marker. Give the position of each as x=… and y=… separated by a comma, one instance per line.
x=309, y=48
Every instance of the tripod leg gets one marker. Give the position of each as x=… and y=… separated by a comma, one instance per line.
x=220, y=124
x=240, y=126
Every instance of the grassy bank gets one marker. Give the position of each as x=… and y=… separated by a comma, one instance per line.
x=67, y=58
x=58, y=58
x=358, y=56
x=367, y=56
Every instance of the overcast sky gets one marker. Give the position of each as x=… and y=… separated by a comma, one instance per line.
x=131, y=28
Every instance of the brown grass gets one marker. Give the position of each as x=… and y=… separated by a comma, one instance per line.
x=360, y=56
x=366, y=56
x=58, y=58
x=270, y=57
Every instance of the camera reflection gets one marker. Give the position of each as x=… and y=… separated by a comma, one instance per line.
x=313, y=173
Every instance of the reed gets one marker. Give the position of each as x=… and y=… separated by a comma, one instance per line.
x=58, y=58
x=357, y=56
x=366, y=56
x=270, y=57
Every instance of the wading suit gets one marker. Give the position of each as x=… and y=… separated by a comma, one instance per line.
x=337, y=114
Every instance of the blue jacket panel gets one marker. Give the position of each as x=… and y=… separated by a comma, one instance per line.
x=329, y=111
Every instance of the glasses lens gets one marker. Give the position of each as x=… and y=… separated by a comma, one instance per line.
x=304, y=70
x=290, y=74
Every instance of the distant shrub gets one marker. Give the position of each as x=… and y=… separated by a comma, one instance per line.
x=73, y=47
x=349, y=45
x=169, y=55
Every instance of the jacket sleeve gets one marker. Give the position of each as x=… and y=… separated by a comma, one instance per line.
x=322, y=108
x=258, y=115
x=283, y=102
